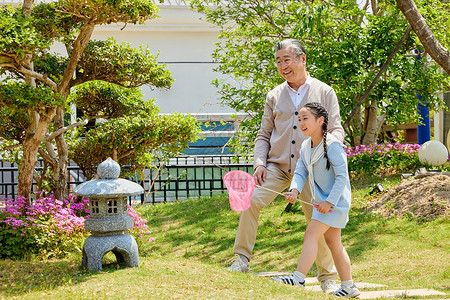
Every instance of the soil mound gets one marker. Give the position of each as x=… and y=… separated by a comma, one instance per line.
x=427, y=197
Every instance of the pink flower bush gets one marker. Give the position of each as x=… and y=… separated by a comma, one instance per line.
x=379, y=158
x=65, y=215
x=49, y=227
x=382, y=149
x=140, y=225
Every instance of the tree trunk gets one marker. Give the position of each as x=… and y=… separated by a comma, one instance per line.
x=30, y=151
x=357, y=121
x=380, y=123
x=432, y=46
x=78, y=47
x=26, y=170
x=370, y=136
x=34, y=134
x=60, y=173
x=374, y=5
x=26, y=7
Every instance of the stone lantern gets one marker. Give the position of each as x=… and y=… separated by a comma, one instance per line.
x=109, y=221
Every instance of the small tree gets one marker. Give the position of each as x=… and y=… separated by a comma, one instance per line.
x=38, y=82
x=133, y=132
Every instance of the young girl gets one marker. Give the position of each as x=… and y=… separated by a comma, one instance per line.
x=322, y=165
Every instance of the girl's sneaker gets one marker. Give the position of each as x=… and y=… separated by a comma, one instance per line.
x=347, y=292
x=290, y=279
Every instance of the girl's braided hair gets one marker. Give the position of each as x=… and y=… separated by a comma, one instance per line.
x=318, y=110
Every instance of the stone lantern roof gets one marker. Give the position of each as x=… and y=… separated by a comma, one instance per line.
x=108, y=185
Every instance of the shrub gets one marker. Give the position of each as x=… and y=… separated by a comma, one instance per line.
x=140, y=227
x=45, y=228
x=381, y=159
x=48, y=227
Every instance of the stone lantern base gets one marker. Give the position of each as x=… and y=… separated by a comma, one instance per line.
x=123, y=246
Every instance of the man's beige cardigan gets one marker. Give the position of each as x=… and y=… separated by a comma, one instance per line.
x=279, y=138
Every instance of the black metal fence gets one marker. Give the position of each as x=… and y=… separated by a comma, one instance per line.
x=9, y=173
x=183, y=177
x=190, y=176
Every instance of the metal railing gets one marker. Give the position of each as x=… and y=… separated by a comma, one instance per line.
x=183, y=177
x=9, y=173
x=190, y=176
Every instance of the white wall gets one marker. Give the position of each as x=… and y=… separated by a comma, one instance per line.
x=185, y=44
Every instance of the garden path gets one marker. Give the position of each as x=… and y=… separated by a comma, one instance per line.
x=380, y=292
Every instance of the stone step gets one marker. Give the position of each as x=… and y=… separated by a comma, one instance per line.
x=312, y=285
x=400, y=293
x=385, y=293
x=313, y=280
x=359, y=285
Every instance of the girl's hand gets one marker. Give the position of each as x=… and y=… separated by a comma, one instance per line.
x=324, y=207
x=291, y=197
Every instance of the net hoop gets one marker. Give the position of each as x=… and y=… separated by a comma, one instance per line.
x=240, y=186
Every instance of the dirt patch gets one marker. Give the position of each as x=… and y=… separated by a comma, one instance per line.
x=427, y=197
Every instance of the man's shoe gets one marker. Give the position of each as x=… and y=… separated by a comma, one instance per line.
x=239, y=266
x=347, y=292
x=329, y=286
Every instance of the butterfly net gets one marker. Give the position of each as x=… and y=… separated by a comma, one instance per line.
x=240, y=186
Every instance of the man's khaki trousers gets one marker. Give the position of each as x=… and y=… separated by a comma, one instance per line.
x=279, y=181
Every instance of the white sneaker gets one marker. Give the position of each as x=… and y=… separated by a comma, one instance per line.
x=239, y=266
x=347, y=292
x=329, y=286
x=290, y=279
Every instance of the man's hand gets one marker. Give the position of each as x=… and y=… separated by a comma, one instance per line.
x=324, y=207
x=260, y=174
x=291, y=196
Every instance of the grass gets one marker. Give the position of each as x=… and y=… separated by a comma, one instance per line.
x=193, y=243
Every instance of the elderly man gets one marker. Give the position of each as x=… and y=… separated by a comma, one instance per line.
x=277, y=147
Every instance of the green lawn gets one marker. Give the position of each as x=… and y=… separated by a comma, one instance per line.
x=193, y=244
